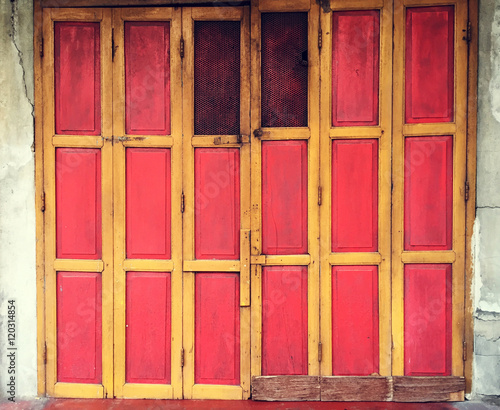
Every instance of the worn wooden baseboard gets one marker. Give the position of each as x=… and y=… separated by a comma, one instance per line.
x=358, y=388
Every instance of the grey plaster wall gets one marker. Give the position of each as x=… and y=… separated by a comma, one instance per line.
x=486, y=242
x=17, y=194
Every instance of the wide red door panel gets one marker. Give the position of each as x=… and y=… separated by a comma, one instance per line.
x=284, y=197
x=79, y=319
x=354, y=195
x=355, y=320
x=148, y=331
x=355, y=68
x=217, y=203
x=427, y=329
x=217, y=328
x=429, y=64
x=78, y=203
x=77, y=78
x=428, y=193
x=284, y=320
x=147, y=77
x=148, y=216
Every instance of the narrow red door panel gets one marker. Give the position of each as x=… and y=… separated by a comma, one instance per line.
x=77, y=69
x=147, y=77
x=148, y=327
x=355, y=67
x=429, y=64
x=354, y=195
x=284, y=197
x=216, y=77
x=148, y=203
x=427, y=332
x=284, y=320
x=217, y=328
x=78, y=203
x=284, y=69
x=355, y=320
x=79, y=320
x=217, y=203
x=428, y=193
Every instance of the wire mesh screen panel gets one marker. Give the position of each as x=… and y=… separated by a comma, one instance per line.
x=216, y=77
x=284, y=70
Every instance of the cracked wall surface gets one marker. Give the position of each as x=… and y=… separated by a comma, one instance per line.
x=486, y=242
x=17, y=192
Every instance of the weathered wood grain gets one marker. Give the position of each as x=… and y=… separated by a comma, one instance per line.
x=286, y=388
x=355, y=388
x=426, y=389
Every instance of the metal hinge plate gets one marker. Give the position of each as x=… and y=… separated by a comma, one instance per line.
x=320, y=38
x=181, y=48
x=182, y=357
x=43, y=202
x=466, y=191
x=465, y=351
x=320, y=195
x=113, y=47
x=182, y=203
x=468, y=32
x=41, y=47
x=320, y=352
x=45, y=353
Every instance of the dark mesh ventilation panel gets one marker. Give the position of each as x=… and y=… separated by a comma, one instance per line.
x=217, y=77
x=284, y=69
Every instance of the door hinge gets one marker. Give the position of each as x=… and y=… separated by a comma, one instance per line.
x=320, y=195
x=182, y=203
x=467, y=33
x=466, y=191
x=45, y=353
x=320, y=38
x=41, y=47
x=465, y=351
x=113, y=47
x=320, y=352
x=182, y=357
x=181, y=48
x=43, y=202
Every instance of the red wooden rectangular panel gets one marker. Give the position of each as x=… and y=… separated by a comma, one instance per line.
x=284, y=70
x=148, y=213
x=79, y=327
x=217, y=203
x=148, y=330
x=77, y=72
x=427, y=331
x=147, y=77
x=284, y=197
x=78, y=203
x=284, y=320
x=355, y=195
x=428, y=193
x=217, y=328
x=355, y=67
x=355, y=318
x=429, y=74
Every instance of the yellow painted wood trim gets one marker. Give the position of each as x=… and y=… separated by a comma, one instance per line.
x=420, y=3
x=211, y=266
x=217, y=13
x=77, y=141
x=283, y=5
x=245, y=267
x=356, y=4
x=188, y=317
x=285, y=260
x=355, y=258
x=147, y=391
x=285, y=133
x=148, y=265
x=218, y=392
x=429, y=129
x=152, y=141
x=79, y=390
x=78, y=265
x=245, y=351
x=428, y=257
x=76, y=14
x=356, y=132
x=147, y=14
x=220, y=141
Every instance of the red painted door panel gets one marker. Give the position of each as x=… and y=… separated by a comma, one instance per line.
x=217, y=203
x=427, y=330
x=78, y=203
x=354, y=195
x=284, y=320
x=148, y=330
x=217, y=328
x=429, y=64
x=147, y=77
x=355, y=67
x=355, y=320
x=77, y=78
x=284, y=197
x=79, y=320
x=428, y=193
x=148, y=197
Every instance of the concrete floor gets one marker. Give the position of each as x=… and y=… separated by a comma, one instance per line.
x=118, y=404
